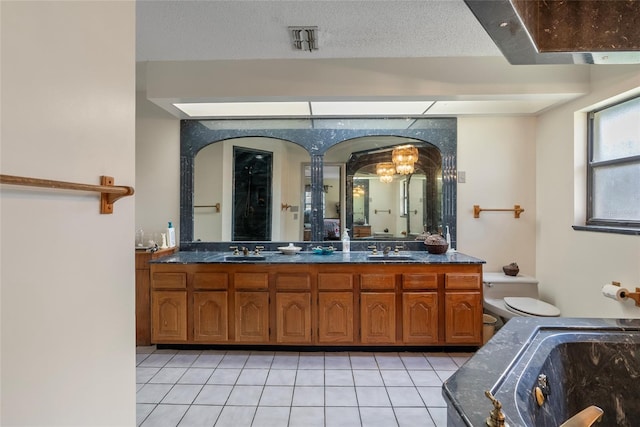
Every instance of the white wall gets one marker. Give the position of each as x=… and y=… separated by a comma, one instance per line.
x=157, y=168
x=67, y=279
x=498, y=156
x=573, y=265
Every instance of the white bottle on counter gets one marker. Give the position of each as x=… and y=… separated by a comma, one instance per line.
x=171, y=235
x=346, y=241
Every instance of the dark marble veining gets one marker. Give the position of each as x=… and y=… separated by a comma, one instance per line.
x=586, y=361
x=337, y=257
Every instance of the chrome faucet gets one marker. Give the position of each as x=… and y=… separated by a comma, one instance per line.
x=386, y=250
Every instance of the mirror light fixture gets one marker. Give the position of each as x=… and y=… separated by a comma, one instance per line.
x=304, y=38
x=385, y=171
x=403, y=157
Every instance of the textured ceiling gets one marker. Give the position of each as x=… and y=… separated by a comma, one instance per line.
x=191, y=34
x=180, y=30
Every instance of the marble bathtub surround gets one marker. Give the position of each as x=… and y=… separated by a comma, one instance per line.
x=586, y=362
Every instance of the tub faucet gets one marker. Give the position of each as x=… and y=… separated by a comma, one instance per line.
x=584, y=418
x=386, y=250
x=496, y=418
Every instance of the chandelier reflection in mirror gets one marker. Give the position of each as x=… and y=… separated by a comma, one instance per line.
x=385, y=171
x=404, y=157
x=358, y=191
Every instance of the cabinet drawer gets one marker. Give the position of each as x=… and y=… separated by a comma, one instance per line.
x=293, y=281
x=377, y=281
x=462, y=281
x=420, y=281
x=335, y=281
x=169, y=281
x=210, y=280
x=251, y=280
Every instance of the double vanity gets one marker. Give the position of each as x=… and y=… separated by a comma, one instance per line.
x=410, y=298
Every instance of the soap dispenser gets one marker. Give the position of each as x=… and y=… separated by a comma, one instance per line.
x=346, y=241
x=448, y=237
x=171, y=235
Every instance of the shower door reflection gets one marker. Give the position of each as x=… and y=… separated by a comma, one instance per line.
x=252, y=194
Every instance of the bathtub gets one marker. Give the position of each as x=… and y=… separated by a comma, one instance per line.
x=586, y=362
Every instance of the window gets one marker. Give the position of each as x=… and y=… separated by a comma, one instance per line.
x=404, y=196
x=613, y=170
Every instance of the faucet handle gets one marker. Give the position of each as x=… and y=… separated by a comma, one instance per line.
x=374, y=249
x=397, y=248
x=257, y=249
x=235, y=249
x=496, y=418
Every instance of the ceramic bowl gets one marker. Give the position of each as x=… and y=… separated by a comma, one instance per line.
x=323, y=250
x=290, y=250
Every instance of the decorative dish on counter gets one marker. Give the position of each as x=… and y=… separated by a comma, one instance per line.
x=290, y=250
x=326, y=250
x=436, y=244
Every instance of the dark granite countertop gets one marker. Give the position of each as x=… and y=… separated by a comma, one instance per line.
x=337, y=257
x=464, y=390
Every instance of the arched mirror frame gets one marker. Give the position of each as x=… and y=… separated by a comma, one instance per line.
x=429, y=163
x=195, y=135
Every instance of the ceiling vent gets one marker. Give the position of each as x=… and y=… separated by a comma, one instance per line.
x=304, y=38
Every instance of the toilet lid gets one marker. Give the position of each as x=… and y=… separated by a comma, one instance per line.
x=532, y=306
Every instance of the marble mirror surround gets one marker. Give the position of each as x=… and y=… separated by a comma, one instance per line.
x=316, y=137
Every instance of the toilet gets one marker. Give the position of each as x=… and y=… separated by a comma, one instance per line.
x=514, y=296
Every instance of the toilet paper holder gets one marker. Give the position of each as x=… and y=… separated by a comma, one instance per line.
x=633, y=295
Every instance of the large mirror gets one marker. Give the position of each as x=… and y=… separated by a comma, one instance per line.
x=322, y=171
x=402, y=207
x=262, y=202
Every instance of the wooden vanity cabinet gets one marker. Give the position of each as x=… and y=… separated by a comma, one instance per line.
x=360, y=231
x=169, y=307
x=378, y=307
x=336, y=307
x=317, y=304
x=293, y=307
x=251, y=308
x=420, y=308
x=463, y=308
x=143, y=293
x=210, y=307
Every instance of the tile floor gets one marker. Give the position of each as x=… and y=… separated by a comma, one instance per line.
x=259, y=388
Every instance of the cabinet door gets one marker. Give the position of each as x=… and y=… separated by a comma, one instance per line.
x=335, y=317
x=420, y=317
x=169, y=316
x=293, y=317
x=463, y=317
x=252, y=316
x=210, y=317
x=378, y=317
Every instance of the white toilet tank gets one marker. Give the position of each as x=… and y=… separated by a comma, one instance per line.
x=512, y=296
x=499, y=285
